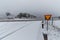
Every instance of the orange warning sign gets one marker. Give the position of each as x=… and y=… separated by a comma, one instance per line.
x=47, y=17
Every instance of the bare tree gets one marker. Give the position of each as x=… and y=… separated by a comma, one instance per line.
x=9, y=16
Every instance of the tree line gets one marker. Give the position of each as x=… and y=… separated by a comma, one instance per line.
x=20, y=15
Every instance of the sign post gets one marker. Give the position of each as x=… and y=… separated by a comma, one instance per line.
x=47, y=17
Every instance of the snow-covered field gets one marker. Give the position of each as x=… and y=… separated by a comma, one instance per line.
x=25, y=30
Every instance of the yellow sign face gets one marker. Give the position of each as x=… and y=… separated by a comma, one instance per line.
x=47, y=17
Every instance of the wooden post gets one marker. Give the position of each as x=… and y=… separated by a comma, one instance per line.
x=42, y=24
x=45, y=36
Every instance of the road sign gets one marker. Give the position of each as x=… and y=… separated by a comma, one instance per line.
x=48, y=16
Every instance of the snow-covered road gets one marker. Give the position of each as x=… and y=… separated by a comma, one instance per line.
x=28, y=30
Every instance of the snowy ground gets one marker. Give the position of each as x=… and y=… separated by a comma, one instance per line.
x=53, y=32
x=28, y=30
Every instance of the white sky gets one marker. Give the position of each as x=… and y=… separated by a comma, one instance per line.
x=30, y=6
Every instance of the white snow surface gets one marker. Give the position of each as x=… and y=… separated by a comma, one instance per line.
x=28, y=30
x=53, y=33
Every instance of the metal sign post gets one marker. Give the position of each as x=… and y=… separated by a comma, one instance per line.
x=47, y=25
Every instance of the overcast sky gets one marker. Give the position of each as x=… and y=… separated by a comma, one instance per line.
x=36, y=7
